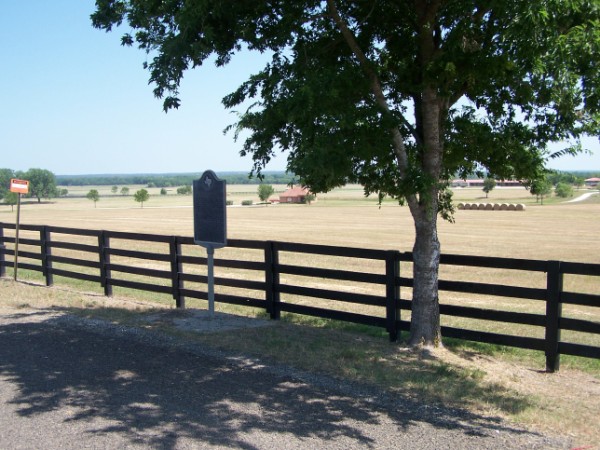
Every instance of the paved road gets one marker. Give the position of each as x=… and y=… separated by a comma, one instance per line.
x=582, y=197
x=65, y=384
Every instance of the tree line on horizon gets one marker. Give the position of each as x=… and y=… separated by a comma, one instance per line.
x=169, y=179
x=277, y=177
x=44, y=184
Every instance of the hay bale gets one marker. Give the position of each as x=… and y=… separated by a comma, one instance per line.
x=520, y=207
x=504, y=207
x=467, y=206
x=489, y=207
x=461, y=205
x=512, y=207
x=482, y=206
x=496, y=206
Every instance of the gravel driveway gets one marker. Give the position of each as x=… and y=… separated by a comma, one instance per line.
x=69, y=383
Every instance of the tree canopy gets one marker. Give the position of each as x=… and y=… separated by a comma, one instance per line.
x=167, y=179
x=541, y=188
x=93, y=195
x=11, y=198
x=141, y=196
x=42, y=183
x=397, y=96
x=488, y=185
x=5, y=177
x=264, y=191
x=564, y=190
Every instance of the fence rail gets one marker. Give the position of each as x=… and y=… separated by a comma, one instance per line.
x=275, y=282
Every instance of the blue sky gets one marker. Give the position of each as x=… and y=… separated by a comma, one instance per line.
x=74, y=101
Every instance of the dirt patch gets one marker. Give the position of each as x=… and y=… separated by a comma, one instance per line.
x=202, y=321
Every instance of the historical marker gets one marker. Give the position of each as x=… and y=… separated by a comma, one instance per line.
x=210, y=213
x=210, y=223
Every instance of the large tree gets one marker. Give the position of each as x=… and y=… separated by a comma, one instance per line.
x=540, y=187
x=141, y=196
x=42, y=183
x=5, y=177
x=11, y=198
x=93, y=195
x=488, y=185
x=264, y=191
x=396, y=95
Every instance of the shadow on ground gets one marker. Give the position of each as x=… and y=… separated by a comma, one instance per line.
x=160, y=396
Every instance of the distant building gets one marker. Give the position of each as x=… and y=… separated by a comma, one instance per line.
x=294, y=195
x=592, y=182
x=479, y=183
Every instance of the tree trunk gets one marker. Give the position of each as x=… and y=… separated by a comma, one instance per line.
x=429, y=111
x=425, y=321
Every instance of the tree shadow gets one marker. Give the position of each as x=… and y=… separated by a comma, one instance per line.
x=165, y=396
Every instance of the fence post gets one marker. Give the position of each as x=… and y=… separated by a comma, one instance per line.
x=176, y=269
x=46, y=251
x=2, y=252
x=103, y=246
x=272, y=280
x=392, y=293
x=553, y=315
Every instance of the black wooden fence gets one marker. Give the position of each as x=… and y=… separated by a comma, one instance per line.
x=91, y=255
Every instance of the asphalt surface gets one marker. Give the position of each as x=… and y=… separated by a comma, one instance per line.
x=68, y=383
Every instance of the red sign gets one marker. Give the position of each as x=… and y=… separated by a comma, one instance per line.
x=19, y=186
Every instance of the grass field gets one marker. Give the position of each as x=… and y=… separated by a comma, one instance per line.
x=565, y=231
x=554, y=231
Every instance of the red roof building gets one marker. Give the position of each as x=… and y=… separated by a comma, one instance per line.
x=294, y=195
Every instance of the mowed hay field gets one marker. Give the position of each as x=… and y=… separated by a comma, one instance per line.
x=561, y=231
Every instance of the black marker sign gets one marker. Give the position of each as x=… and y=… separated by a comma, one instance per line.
x=210, y=217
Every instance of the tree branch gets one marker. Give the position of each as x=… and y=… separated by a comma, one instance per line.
x=397, y=138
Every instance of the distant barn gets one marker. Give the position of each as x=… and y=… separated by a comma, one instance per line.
x=479, y=183
x=592, y=182
x=294, y=195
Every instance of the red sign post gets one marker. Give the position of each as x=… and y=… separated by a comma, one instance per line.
x=19, y=187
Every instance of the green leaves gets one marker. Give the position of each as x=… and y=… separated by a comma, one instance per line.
x=506, y=78
x=265, y=191
x=5, y=177
x=42, y=183
x=141, y=196
x=93, y=195
x=127, y=40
